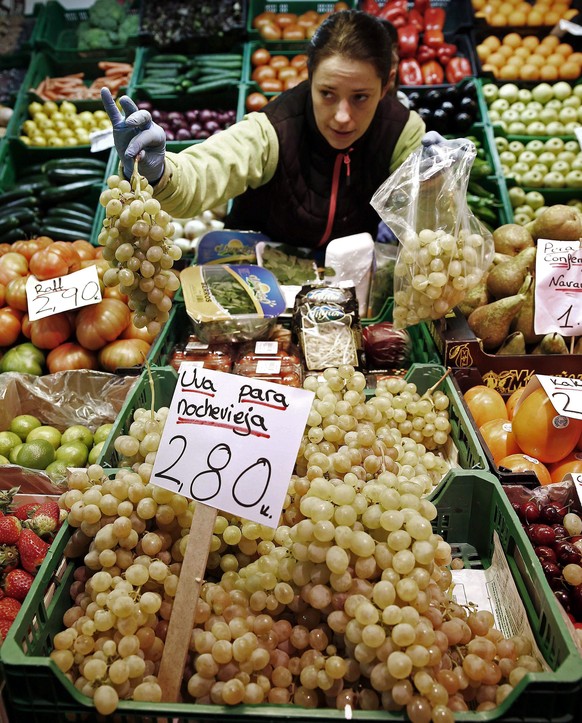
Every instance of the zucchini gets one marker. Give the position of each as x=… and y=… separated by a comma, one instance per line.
x=73, y=163
x=75, y=206
x=28, y=201
x=16, y=234
x=210, y=85
x=32, y=171
x=58, y=212
x=71, y=224
x=60, y=176
x=14, y=195
x=58, y=233
x=176, y=58
x=8, y=223
x=71, y=191
x=22, y=214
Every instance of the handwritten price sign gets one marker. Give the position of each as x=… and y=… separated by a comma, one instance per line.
x=231, y=442
x=62, y=293
x=558, y=295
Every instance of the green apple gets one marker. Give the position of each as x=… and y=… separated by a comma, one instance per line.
x=516, y=196
x=508, y=158
x=547, y=157
x=540, y=168
x=570, y=128
x=574, y=179
x=502, y=125
x=520, y=167
x=509, y=92
x=578, y=91
x=542, y=93
x=505, y=170
x=536, y=145
x=527, y=157
x=511, y=116
x=572, y=146
x=547, y=115
x=555, y=129
x=516, y=129
x=540, y=210
x=529, y=115
x=576, y=164
x=568, y=115
x=524, y=95
x=572, y=102
x=567, y=156
x=534, y=199
x=554, y=180
x=554, y=144
x=524, y=208
x=562, y=167
x=518, y=106
x=494, y=116
x=521, y=218
x=490, y=91
x=533, y=179
x=515, y=147
x=501, y=143
x=562, y=90
x=579, y=113
x=500, y=104
x=536, y=129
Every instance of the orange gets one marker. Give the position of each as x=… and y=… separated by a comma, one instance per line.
x=517, y=18
x=530, y=42
x=549, y=72
x=485, y=404
x=525, y=463
x=541, y=432
x=535, y=18
x=569, y=71
x=512, y=401
x=564, y=49
x=498, y=436
x=496, y=59
x=571, y=464
x=551, y=40
x=513, y=40
x=529, y=72
x=555, y=59
x=492, y=41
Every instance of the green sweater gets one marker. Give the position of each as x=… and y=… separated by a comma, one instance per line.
x=206, y=175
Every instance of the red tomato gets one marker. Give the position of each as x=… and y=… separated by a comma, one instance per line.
x=69, y=253
x=262, y=72
x=114, y=292
x=263, y=18
x=283, y=20
x=12, y=265
x=123, y=353
x=523, y=463
x=271, y=85
x=270, y=31
x=308, y=18
x=2, y=294
x=29, y=248
x=52, y=331
x=287, y=72
x=293, y=32
x=84, y=249
x=16, y=293
x=299, y=61
x=255, y=101
x=26, y=322
x=100, y=323
x=10, y=325
x=71, y=356
x=485, y=404
x=279, y=61
x=48, y=264
x=541, y=432
x=571, y=464
x=499, y=438
x=260, y=56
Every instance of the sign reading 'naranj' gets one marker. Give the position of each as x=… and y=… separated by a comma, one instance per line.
x=231, y=442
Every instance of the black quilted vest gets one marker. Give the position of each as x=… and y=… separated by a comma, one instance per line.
x=293, y=207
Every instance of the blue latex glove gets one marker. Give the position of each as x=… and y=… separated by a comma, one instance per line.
x=136, y=134
x=385, y=235
x=431, y=138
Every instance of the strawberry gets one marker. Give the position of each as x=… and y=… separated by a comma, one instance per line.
x=9, y=558
x=7, y=498
x=45, y=519
x=32, y=551
x=23, y=512
x=4, y=627
x=9, y=608
x=10, y=529
x=17, y=584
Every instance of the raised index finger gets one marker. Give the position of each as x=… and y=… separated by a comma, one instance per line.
x=110, y=108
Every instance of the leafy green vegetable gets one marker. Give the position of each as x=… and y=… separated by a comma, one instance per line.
x=288, y=268
x=230, y=294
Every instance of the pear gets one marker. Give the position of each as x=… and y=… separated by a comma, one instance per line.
x=578, y=346
x=560, y=222
x=500, y=258
x=506, y=279
x=477, y=296
x=491, y=322
x=552, y=343
x=524, y=321
x=511, y=238
x=514, y=344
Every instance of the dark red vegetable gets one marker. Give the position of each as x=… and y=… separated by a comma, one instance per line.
x=407, y=41
x=445, y=53
x=424, y=54
x=434, y=38
x=432, y=73
x=457, y=69
x=396, y=12
x=415, y=18
x=434, y=18
x=409, y=72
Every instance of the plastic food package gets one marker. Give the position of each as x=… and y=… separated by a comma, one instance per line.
x=444, y=249
x=231, y=303
x=210, y=356
x=273, y=361
x=327, y=324
x=382, y=286
x=351, y=259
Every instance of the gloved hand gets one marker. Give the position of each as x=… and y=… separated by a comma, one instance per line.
x=385, y=235
x=431, y=138
x=135, y=133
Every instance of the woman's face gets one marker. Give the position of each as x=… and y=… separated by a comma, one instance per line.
x=345, y=96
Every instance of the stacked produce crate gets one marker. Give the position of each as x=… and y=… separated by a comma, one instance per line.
x=198, y=67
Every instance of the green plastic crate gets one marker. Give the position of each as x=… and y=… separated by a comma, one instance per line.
x=56, y=33
x=471, y=507
x=298, y=7
x=43, y=65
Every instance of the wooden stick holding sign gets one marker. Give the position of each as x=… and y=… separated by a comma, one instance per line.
x=181, y=622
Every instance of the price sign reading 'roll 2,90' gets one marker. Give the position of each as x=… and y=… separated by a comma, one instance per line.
x=51, y=296
x=231, y=442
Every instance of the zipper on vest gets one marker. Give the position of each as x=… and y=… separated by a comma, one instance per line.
x=337, y=167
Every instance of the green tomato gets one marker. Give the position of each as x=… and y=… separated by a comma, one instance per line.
x=24, y=358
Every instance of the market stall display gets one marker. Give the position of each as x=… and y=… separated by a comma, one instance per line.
x=411, y=482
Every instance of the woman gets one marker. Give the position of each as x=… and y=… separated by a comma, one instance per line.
x=303, y=169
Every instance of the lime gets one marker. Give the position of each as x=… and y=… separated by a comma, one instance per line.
x=95, y=452
x=78, y=433
x=13, y=454
x=37, y=454
x=8, y=440
x=57, y=471
x=73, y=454
x=50, y=434
x=4, y=460
x=23, y=424
x=101, y=433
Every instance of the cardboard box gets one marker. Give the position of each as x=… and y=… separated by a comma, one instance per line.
x=460, y=348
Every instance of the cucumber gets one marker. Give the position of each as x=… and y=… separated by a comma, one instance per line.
x=58, y=233
x=70, y=191
x=73, y=163
x=32, y=171
x=60, y=176
x=217, y=57
x=209, y=75
x=210, y=85
x=75, y=206
x=176, y=58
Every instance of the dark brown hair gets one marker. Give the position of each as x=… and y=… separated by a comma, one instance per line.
x=354, y=35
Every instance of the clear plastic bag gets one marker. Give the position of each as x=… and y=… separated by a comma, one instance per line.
x=444, y=249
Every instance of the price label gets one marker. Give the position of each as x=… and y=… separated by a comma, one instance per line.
x=565, y=393
x=231, y=442
x=576, y=480
x=51, y=296
x=558, y=293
